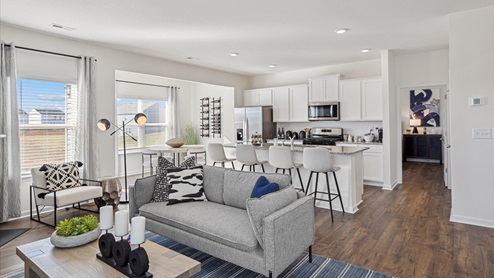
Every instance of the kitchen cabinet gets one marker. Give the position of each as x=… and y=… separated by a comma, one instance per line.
x=361, y=99
x=422, y=146
x=373, y=162
x=324, y=88
x=258, y=97
x=290, y=104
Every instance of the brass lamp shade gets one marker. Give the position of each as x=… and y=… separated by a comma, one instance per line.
x=103, y=124
x=140, y=118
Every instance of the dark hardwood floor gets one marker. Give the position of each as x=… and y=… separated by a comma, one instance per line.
x=405, y=232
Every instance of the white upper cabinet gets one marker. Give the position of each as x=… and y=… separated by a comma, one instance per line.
x=372, y=106
x=258, y=97
x=299, y=106
x=361, y=99
x=290, y=104
x=324, y=88
x=281, y=104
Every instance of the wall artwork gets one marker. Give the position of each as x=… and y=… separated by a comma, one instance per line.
x=424, y=105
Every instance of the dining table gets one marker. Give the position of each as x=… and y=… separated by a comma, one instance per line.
x=167, y=149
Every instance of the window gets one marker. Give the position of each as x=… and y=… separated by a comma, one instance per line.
x=47, y=118
x=152, y=133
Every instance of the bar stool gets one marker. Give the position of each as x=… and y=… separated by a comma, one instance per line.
x=246, y=154
x=152, y=161
x=318, y=160
x=280, y=157
x=217, y=155
x=195, y=152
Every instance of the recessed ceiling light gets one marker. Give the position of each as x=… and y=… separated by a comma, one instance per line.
x=193, y=58
x=341, y=31
x=234, y=54
x=272, y=65
x=365, y=50
x=60, y=26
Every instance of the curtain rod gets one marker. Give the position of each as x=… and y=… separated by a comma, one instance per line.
x=47, y=52
x=139, y=83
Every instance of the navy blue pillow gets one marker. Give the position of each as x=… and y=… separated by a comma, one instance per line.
x=263, y=187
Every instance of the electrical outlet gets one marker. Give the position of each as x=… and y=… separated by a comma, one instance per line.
x=481, y=133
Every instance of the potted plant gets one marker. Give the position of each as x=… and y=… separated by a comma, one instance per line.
x=76, y=231
x=190, y=135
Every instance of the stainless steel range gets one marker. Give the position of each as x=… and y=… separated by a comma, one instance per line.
x=324, y=136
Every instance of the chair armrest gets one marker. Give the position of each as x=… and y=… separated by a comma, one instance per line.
x=42, y=188
x=287, y=233
x=100, y=183
x=140, y=194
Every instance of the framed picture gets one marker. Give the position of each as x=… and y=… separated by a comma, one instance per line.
x=424, y=105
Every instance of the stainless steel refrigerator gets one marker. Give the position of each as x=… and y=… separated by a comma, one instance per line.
x=249, y=120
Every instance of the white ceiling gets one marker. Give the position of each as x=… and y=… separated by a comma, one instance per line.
x=294, y=34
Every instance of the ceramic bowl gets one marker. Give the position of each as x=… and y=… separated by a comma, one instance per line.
x=368, y=138
x=175, y=142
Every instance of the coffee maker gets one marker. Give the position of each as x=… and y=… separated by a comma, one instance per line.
x=380, y=135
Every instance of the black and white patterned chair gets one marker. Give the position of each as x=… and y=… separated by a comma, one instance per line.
x=69, y=190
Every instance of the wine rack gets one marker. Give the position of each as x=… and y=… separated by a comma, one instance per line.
x=204, y=117
x=215, y=122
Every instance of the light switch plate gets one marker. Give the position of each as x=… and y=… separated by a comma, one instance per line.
x=481, y=133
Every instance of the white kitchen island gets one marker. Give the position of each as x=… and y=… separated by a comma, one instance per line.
x=350, y=176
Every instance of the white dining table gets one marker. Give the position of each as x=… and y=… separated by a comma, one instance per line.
x=168, y=149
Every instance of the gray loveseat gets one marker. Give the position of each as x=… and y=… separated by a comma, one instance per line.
x=221, y=226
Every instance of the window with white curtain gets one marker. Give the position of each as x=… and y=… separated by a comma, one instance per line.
x=47, y=117
x=152, y=133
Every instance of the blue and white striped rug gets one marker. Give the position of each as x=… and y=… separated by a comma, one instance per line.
x=214, y=267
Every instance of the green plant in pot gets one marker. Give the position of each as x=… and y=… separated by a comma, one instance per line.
x=76, y=231
x=190, y=135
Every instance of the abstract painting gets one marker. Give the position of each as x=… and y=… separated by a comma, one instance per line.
x=424, y=105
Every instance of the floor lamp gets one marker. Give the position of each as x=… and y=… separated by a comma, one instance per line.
x=105, y=124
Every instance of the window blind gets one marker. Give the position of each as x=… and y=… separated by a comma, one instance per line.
x=47, y=116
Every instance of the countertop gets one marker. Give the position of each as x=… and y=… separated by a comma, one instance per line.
x=300, y=142
x=359, y=143
x=337, y=150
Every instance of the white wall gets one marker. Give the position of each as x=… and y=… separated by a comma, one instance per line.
x=349, y=70
x=110, y=60
x=471, y=54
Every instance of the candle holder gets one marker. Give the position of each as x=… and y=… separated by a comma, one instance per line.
x=105, y=244
x=139, y=261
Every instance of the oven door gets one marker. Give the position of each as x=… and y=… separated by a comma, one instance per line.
x=324, y=112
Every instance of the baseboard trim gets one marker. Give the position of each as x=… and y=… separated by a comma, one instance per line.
x=472, y=221
x=391, y=186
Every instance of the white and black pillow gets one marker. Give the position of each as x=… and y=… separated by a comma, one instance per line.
x=185, y=185
x=165, y=164
x=161, y=188
x=62, y=176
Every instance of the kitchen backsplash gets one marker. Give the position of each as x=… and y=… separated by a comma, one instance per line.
x=352, y=128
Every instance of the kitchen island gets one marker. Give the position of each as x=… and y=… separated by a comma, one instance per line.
x=350, y=176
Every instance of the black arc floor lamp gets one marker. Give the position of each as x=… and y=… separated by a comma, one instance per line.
x=105, y=124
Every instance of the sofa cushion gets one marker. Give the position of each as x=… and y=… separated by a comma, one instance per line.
x=185, y=185
x=238, y=185
x=213, y=183
x=223, y=224
x=259, y=208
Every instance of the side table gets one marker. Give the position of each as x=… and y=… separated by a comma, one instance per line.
x=112, y=190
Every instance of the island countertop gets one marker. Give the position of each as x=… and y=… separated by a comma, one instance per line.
x=337, y=150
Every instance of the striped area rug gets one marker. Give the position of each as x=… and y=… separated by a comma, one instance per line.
x=214, y=267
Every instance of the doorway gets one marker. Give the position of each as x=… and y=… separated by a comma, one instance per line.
x=428, y=105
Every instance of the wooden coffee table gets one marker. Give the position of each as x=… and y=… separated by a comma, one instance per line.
x=42, y=259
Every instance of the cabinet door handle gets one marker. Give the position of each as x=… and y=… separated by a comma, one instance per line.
x=448, y=146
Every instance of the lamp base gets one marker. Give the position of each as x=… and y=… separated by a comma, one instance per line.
x=414, y=131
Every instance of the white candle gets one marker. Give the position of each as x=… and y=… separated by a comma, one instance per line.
x=138, y=228
x=106, y=217
x=121, y=223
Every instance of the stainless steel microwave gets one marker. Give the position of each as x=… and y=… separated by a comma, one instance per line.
x=324, y=111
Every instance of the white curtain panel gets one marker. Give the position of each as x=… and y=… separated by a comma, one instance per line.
x=172, y=117
x=86, y=149
x=10, y=155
